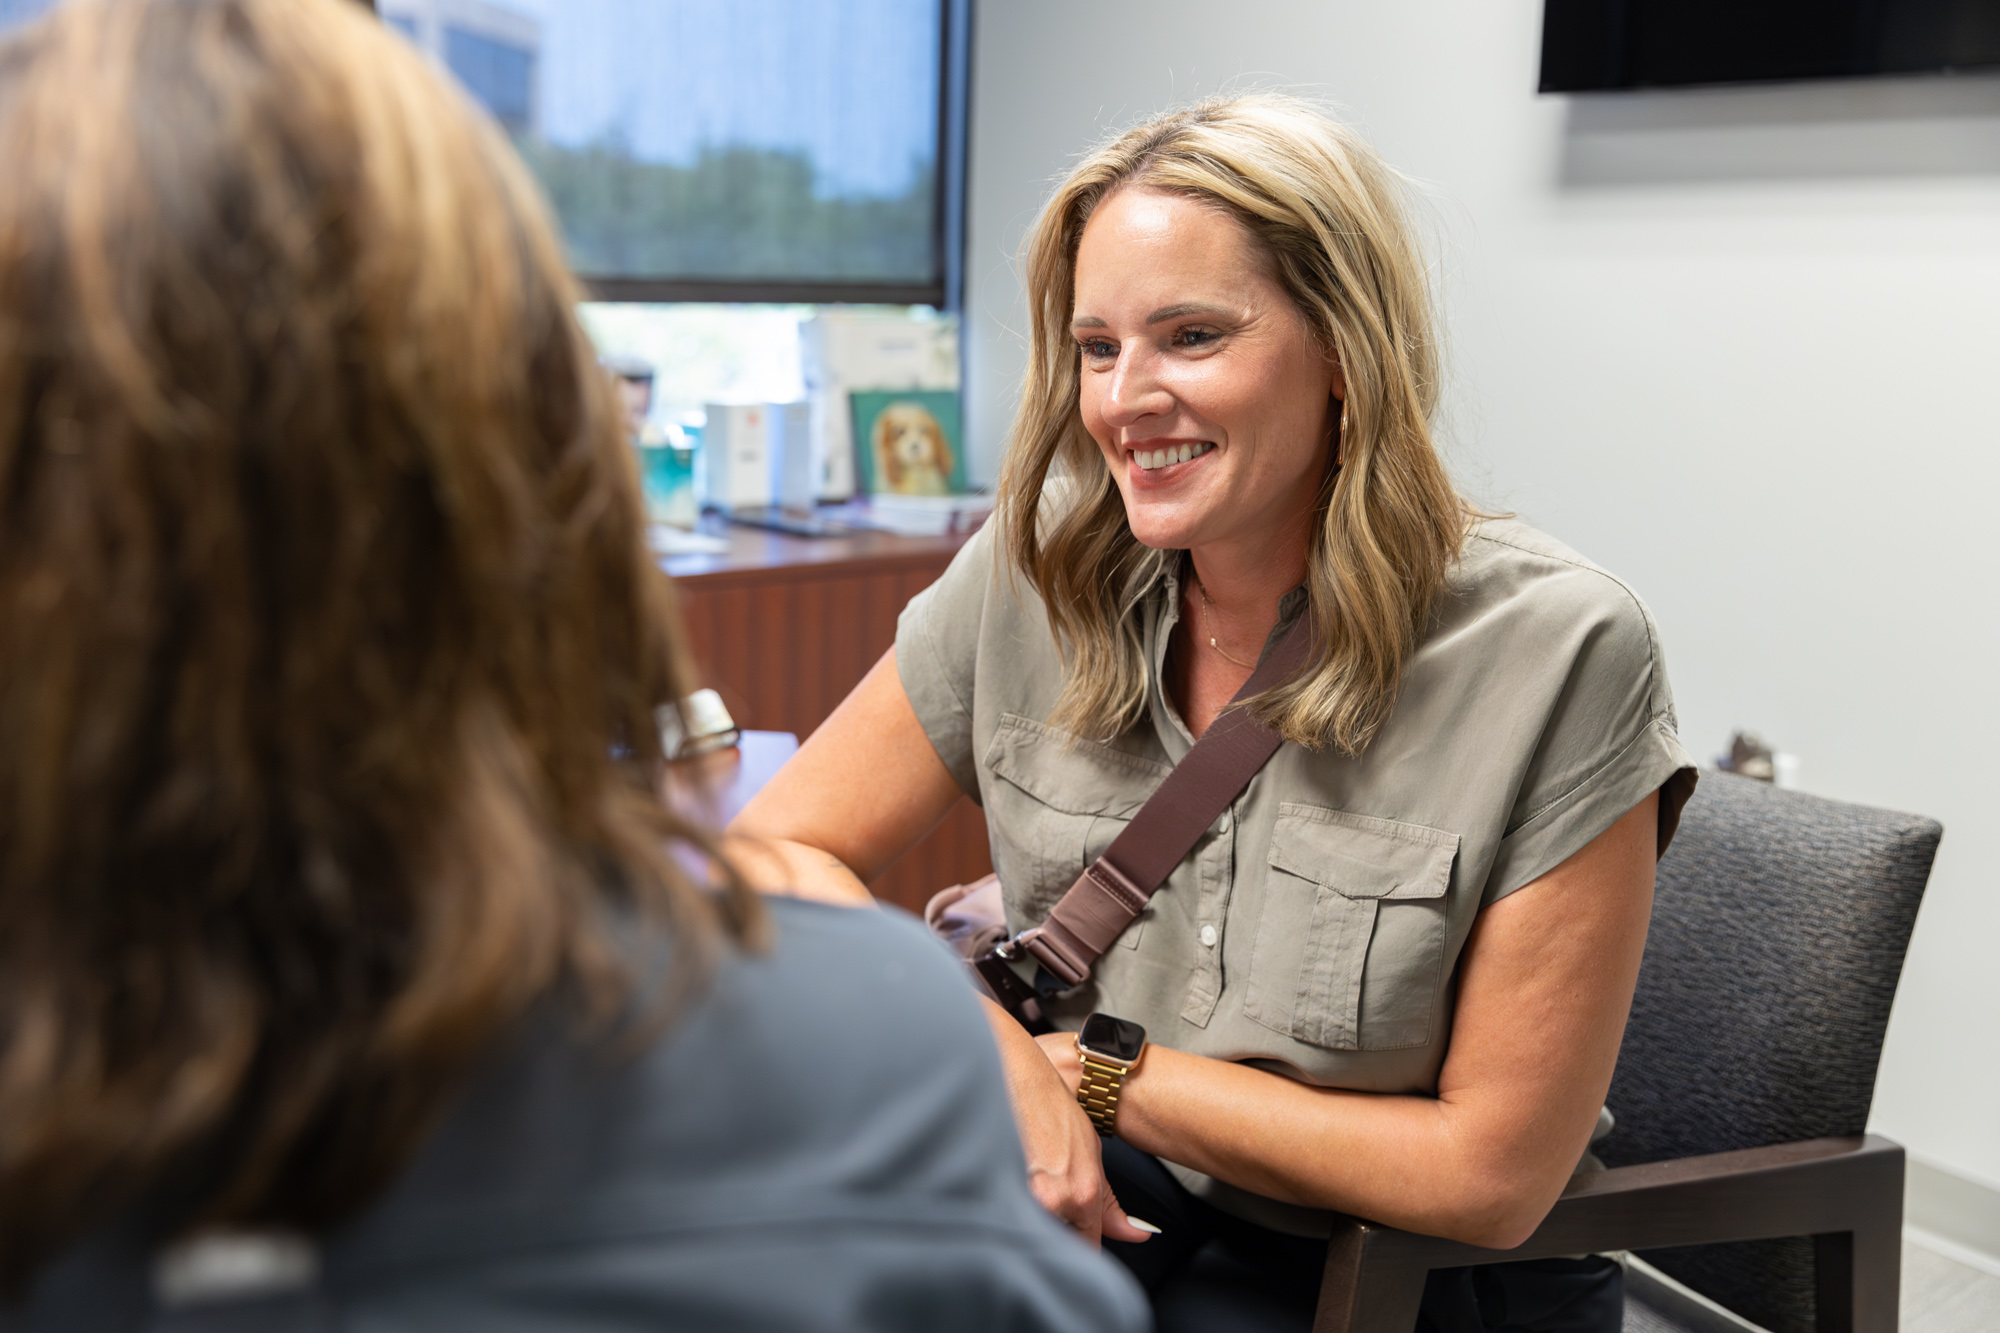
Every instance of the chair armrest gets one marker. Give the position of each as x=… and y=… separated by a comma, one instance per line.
x=1818, y=1187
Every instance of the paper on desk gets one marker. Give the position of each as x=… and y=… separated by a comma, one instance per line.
x=667, y=540
x=918, y=515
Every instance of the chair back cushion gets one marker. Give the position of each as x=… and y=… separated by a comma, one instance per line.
x=1779, y=926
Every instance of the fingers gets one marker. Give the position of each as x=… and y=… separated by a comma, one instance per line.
x=1117, y=1224
x=1066, y=1169
x=1065, y=1156
x=1075, y=1199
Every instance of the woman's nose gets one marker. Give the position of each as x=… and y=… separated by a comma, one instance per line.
x=1135, y=392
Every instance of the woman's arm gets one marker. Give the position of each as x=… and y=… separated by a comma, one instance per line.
x=1545, y=984
x=861, y=791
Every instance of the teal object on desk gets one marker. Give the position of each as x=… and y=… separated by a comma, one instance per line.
x=667, y=477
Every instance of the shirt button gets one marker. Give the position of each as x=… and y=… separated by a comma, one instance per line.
x=1222, y=825
x=1208, y=937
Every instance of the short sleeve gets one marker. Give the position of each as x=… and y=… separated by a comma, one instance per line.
x=937, y=654
x=1608, y=742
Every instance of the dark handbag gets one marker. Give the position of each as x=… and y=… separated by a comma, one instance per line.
x=1114, y=888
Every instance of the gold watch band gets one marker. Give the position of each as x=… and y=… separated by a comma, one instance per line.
x=1098, y=1092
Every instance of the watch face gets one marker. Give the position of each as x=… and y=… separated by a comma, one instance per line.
x=1115, y=1037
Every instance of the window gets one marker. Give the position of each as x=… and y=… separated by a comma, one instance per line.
x=755, y=150
x=702, y=354
x=499, y=73
x=790, y=151
x=13, y=12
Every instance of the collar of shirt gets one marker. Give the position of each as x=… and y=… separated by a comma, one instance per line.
x=1160, y=612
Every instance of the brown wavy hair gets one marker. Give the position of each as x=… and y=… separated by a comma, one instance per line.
x=1330, y=218
x=329, y=639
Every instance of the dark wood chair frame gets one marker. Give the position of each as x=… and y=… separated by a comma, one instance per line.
x=1845, y=1193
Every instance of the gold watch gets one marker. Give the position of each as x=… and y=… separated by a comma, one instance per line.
x=1109, y=1048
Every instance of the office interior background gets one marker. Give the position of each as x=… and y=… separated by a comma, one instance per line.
x=1736, y=344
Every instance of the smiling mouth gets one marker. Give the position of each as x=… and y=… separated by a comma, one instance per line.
x=1150, y=459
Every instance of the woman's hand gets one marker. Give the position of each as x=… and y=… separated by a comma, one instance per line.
x=1065, y=1159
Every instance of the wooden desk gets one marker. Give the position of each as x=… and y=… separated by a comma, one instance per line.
x=783, y=627
x=713, y=788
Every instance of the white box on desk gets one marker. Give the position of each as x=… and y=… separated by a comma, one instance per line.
x=794, y=470
x=758, y=454
x=842, y=351
x=736, y=454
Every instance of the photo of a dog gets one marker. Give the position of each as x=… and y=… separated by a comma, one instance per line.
x=907, y=442
x=912, y=455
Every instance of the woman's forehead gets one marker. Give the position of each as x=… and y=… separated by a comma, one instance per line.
x=1143, y=245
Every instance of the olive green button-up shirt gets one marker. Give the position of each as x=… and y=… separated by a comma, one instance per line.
x=1316, y=927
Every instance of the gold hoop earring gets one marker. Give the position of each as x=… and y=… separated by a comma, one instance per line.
x=1340, y=440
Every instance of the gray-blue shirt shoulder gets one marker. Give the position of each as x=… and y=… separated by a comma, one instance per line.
x=822, y=1142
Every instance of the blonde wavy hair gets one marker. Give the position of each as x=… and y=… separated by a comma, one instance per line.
x=1329, y=216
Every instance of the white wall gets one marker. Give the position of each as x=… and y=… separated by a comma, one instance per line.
x=1741, y=347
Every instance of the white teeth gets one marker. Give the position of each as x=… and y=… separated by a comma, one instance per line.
x=1149, y=459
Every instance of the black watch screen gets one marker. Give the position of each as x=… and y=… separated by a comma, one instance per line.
x=1115, y=1037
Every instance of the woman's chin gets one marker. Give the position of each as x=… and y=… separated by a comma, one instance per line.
x=1162, y=532
x=1173, y=521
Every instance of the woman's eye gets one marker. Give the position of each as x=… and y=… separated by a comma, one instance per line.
x=1196, y=337
x=1098, y=349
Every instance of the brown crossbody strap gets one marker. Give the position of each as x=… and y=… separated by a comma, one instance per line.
x=1114, y=888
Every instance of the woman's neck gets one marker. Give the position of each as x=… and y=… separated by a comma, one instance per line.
x=1244, y=581
x=1228, y=609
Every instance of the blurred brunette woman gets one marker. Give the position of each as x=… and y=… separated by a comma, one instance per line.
x=345, y=965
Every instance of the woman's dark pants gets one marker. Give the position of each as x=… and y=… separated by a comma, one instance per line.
x=1250, y=1279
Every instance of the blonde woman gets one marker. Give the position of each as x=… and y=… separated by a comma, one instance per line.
x=1391, y=979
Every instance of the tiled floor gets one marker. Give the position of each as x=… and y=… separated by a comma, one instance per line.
x=1939, y=1296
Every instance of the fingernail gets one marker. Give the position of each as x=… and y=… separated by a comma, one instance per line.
x=1142, y=1224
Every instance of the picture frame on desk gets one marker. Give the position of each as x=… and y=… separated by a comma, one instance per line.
x=908, y=442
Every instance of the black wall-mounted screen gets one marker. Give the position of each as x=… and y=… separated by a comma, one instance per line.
x=1595, y=45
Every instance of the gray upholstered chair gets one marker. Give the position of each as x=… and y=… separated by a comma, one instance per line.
x=1739, y=1165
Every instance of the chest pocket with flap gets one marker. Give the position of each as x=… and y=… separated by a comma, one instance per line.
x=1054, y=806
x=1349, y=952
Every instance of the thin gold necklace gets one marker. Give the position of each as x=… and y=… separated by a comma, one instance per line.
x=1206, y=607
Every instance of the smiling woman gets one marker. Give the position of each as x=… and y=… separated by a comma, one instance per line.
x=1242, y=295
x=1391, y=976
x=1200, y=408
